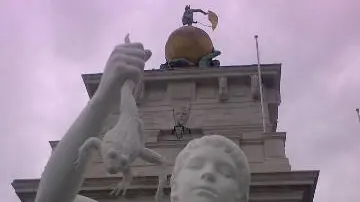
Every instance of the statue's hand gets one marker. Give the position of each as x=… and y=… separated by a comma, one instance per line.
x=127, y=61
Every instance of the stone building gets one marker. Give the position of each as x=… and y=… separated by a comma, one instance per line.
x=218, y=100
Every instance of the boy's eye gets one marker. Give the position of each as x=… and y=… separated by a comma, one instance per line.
x=195, y=163
x=226, y=170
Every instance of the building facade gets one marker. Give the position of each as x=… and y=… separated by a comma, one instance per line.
x=220, y=101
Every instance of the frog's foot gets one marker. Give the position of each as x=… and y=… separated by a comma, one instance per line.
x=123, y=185
x=152, y=156
x=162, y=183
x=159, y=196
x=120, y=187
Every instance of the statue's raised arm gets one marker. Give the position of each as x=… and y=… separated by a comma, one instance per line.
x=61, y=180
x=124, y=143
x=199, y=11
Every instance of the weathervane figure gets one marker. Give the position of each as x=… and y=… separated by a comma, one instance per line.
x=188, y=17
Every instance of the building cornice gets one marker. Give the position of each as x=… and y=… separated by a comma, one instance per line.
x=269, y=71
x=248, y=138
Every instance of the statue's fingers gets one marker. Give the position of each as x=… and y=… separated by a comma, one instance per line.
x=132, y=45
x=148, y=54
x=129, y=51
x=131, y=60
x=127, y=43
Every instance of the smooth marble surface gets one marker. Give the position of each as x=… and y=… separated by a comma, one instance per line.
x=211, y=169
x=61, y=179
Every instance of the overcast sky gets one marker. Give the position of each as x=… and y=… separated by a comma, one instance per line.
x=46, y=45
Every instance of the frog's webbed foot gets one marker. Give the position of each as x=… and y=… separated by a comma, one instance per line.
x=91, y=143
x=120, y=187
x=151, y=156
x=160, y=189
x=124, y=184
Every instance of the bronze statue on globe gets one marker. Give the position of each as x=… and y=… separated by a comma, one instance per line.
x=189, y=46
x=188, y=16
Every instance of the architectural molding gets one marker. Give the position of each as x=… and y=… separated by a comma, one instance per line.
x=243, y=138
x=270, y=72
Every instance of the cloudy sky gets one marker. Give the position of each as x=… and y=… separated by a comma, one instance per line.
x=45, y=46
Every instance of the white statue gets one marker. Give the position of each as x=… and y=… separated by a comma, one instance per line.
x=211, y=169
x=124, y=143
x=61, y=180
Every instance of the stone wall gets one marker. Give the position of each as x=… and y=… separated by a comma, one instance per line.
x=220, y=101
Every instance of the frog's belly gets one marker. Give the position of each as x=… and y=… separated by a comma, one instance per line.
x=129, y=147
